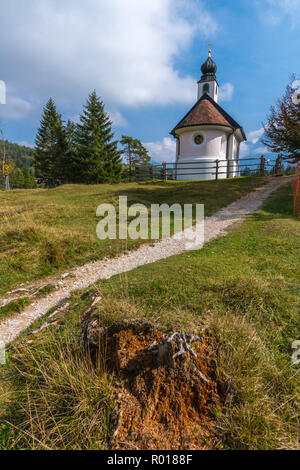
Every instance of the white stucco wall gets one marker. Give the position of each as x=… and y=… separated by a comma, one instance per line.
x=211, y=146
x=213, y=90
x=198, y=162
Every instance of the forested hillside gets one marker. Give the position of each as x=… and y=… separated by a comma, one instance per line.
x=22, y=156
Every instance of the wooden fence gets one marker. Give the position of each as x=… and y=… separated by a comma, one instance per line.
x=209, y=170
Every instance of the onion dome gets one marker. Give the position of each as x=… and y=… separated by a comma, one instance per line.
x=209, y=68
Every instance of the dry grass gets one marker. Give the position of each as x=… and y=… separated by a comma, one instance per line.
x=66, y=401
x=265, y=408
x=46, y=231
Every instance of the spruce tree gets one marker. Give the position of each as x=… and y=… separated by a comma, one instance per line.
x=66, y=162
x=71, y=134
x=97, y=158
x=50, y=145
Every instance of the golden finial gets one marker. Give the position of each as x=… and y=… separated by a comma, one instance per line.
x=209, y=50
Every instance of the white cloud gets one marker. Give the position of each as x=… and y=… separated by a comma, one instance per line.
x=75, y=118
x=117, y=119
x=15, y=108
x=290, y=6
x=164, y=151
x=249, y=148
x=124, y=49
x=261, y=150
x=278, y=9
x=26, y=144
x=244, y=150
x=255, y=136
x=226, y=92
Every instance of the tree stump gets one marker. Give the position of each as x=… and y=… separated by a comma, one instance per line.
x=164, y=383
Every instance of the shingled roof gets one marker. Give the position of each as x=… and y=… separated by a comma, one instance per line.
x=207, y=112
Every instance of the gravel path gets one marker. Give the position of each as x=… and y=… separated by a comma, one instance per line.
x=82, y=277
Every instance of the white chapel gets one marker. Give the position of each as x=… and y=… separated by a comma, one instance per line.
x=207, y=133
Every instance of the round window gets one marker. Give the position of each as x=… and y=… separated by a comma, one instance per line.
x=199, y=139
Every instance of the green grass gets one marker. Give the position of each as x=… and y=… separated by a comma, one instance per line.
x=45, y=290
x=15, y=306
x=241, y=292
x=19, y=304
x=43, y=232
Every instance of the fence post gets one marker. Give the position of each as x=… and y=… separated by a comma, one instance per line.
x=7, y=184
x=217, y=169
x=138, y=173
x=278, y=164
x=165, y=171
x=262, y=165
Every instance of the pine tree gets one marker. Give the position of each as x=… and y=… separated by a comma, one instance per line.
x=134, y=152
x=97, y=158
x=51, y=145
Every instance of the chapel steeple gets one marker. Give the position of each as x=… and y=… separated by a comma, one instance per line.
x=208, y=83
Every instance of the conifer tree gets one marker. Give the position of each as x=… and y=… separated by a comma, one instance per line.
x=17, y=179
x=97, y=158
x=29, y=181
x=134, y=152
x=50, y=145
x=66, y=161
x=71, y=134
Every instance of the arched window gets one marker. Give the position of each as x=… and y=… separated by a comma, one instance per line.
x=206, y=88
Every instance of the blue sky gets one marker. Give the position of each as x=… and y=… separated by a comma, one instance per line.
x=144, y=60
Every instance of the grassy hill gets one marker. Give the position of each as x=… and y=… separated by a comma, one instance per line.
x=47, y=231
x=240, y=292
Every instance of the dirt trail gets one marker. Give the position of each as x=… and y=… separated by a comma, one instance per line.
x=82, y=277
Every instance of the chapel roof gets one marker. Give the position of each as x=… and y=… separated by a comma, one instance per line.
x=207, y=112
